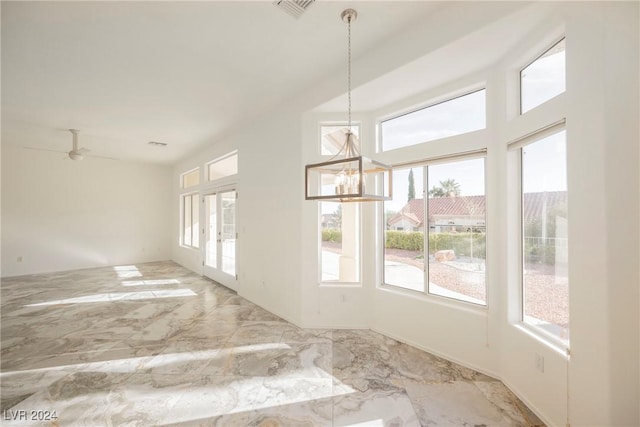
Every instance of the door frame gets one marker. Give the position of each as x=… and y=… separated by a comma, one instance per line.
x=216, y=273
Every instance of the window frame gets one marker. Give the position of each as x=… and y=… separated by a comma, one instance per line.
x=425, y=293
x=189, y=172
x=517, y=146
x=183, y=219
x=546, y=49
x=337, y=283
x=207, y=167
x=330, y=283
x=429, y=104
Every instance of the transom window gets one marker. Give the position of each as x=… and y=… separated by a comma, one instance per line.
x=435, y=121
x=544, y=78
x=190, y=179
x=222, y=167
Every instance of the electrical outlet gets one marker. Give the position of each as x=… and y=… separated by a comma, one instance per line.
x=539, y=363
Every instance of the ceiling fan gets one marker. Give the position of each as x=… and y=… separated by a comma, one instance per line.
x=76, y=153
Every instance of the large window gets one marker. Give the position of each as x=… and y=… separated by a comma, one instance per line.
x=457, y=232
x=190, y=215
x=545, y=281
x=544, y=78
x=404, y=231
x=447, y=229
x=340, y=242
x=339, y=222
x=435, y=122
x=190, y=220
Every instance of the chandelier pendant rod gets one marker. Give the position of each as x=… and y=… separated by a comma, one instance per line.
x=349, y=18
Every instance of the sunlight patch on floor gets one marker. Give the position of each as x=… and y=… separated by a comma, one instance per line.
x=127, y=271
x=151, y=282
x=119, y=296
x=202, y=400
x=371, y=423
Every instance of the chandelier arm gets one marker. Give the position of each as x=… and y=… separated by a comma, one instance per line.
x=344, y=149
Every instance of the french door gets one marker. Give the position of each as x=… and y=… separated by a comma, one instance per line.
x=220, y=237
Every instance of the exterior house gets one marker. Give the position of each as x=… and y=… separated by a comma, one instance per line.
x=467, y=213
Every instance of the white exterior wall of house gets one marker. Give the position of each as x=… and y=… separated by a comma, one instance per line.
x=404, y=225
x=278, y=265
x=450, y=223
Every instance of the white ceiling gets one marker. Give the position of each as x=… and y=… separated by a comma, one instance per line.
x=480, y=47
x=181, y=73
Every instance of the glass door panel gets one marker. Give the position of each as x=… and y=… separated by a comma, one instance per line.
x=211, y=231
x=220, y=235
x=228, y=235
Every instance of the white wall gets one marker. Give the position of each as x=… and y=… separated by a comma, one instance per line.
x=269, y=189
x=278, y=244
x=61, y=214
x=620, y=35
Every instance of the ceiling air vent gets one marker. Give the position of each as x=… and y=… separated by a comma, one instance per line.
x=294, y=8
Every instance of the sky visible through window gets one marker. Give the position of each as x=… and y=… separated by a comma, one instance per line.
x=435, y=122
x=544, y=78
x=546, y=162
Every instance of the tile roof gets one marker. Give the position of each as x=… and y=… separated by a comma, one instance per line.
x=475, y=206
x=534, y=203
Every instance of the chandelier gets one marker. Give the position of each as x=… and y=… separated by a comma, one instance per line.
x=348, y=176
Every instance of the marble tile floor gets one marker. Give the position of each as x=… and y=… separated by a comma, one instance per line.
x=155, y=344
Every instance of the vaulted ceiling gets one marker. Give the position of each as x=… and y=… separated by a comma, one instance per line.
x=180, y=73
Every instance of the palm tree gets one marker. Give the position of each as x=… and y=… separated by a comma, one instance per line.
x=448, y=188
x=436, y=192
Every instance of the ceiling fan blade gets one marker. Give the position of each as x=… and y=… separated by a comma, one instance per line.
x=43, y=149
x=101, y=157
